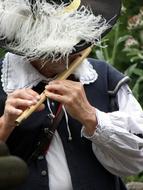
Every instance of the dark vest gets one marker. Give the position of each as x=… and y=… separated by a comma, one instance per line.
x=86, y=171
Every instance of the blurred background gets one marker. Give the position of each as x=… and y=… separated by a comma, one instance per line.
x=123, y=48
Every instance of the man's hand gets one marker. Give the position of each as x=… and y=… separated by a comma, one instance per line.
x=72, y=95
x=15, y=104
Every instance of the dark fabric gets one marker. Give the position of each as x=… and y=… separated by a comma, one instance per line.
x=86, y=171
x=47, y=135
x=2, y=95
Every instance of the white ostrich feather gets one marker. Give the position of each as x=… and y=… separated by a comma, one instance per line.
x=45, y=30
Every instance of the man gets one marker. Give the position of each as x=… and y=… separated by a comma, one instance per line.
x=95, y=141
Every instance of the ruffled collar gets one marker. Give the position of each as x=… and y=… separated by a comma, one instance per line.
x=17, y=73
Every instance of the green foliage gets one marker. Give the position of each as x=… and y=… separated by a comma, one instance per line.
x=123, y=46
x=2, y=53
x=138, y=178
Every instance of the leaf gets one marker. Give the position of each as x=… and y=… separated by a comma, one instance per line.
x=135, y=58
x=136, y=87
x=122, y=39
x=130, y=69
x=138, y=72
x=99, y=55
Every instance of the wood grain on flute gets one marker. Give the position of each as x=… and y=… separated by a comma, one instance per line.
x=62, y=76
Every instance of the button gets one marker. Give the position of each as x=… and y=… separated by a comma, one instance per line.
x=48, y=131
x=44, y=173
x=51, y=116
x=53, y=104
x=41, y=157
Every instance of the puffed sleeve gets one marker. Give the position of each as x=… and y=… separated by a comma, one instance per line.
x=115, y=142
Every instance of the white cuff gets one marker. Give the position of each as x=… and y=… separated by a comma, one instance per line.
x=103, y=130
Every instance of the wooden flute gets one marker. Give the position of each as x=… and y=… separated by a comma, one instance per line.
x=62, y=76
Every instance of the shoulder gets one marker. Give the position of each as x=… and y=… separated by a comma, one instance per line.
x=104, y=67
x=114, y=78
x=1, y=62
x=98, y=65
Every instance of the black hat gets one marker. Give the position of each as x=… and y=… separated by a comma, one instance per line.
x=109, y=9
x=41, y=28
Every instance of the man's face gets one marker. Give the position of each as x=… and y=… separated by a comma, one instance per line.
x=50, y=68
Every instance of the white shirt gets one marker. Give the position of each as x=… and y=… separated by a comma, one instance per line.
x=113, y=143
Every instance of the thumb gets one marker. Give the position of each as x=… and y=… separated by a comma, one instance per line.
x=41, y=107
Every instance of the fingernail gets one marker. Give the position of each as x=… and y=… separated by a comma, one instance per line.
x=19, y=112
x=31, y=102
x=51, y=82
x=37, y=97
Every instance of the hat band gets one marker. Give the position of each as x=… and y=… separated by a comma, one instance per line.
x=73, y=6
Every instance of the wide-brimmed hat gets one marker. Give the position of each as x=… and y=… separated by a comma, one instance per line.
x=41, y=28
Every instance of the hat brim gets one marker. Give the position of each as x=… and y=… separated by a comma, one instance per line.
x=109, y=9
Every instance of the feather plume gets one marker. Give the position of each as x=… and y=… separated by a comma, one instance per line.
x=44, y=30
